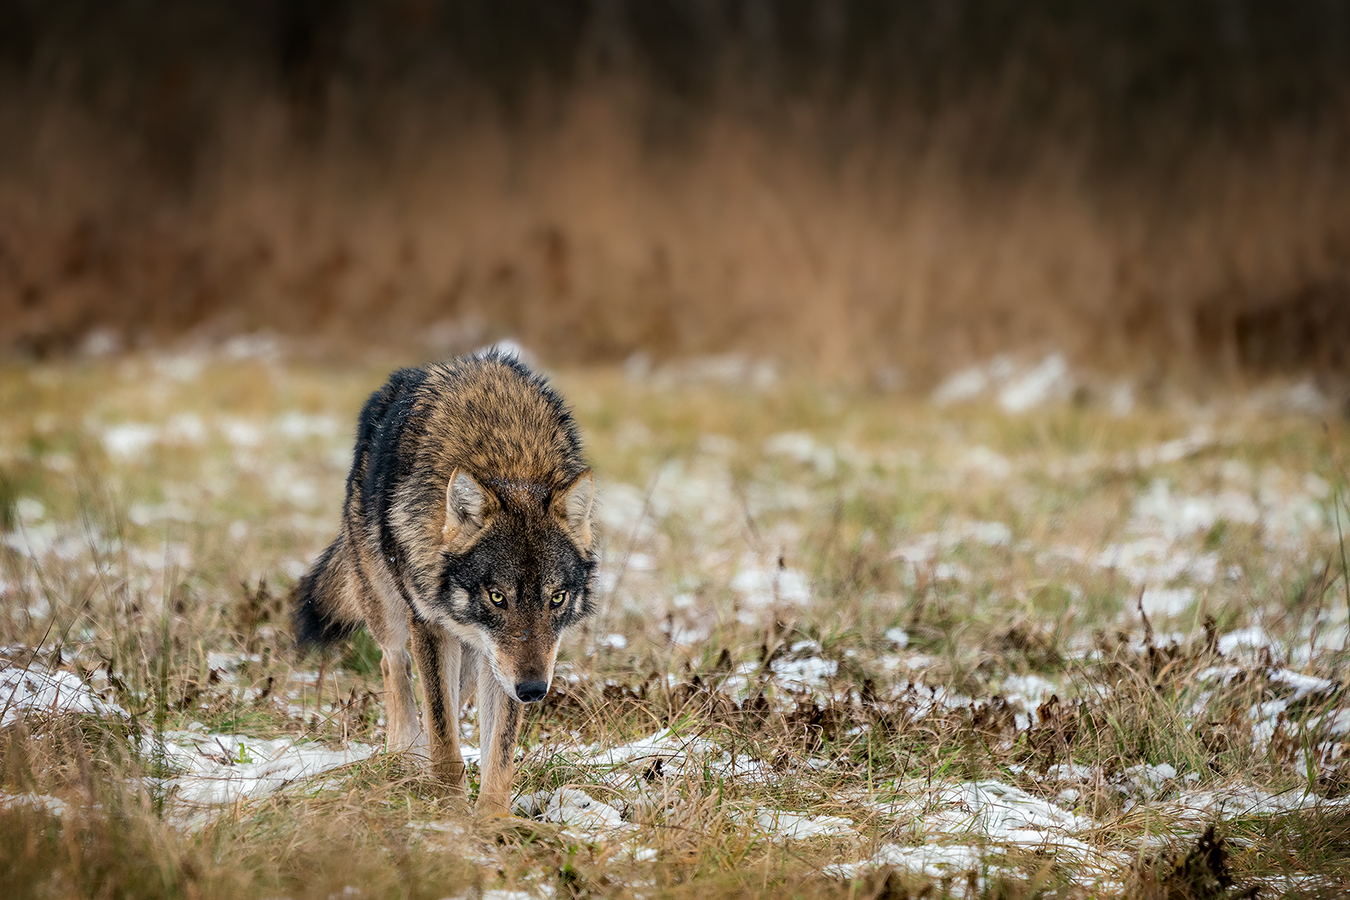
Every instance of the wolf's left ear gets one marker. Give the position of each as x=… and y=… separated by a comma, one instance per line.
x=572, y=506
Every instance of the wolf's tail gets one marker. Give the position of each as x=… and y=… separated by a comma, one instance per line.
x=319, y=615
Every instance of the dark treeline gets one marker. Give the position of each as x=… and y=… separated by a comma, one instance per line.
x=1164, y=177
x=1235, y=67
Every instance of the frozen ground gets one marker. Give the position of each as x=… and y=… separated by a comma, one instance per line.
x=1000, y=636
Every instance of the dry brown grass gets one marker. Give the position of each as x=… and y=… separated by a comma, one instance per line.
x=872, y=253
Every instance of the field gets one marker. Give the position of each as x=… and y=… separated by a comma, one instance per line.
x=1029, y=635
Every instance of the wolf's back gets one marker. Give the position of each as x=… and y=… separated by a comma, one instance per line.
x=491, y=416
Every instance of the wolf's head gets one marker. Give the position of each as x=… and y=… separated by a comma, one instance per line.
x=518, y=562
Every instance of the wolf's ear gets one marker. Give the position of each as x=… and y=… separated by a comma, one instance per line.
x=467, y=506
x=572, y=506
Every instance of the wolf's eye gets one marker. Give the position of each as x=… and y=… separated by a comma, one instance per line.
x=498, y=600
x=558, y=599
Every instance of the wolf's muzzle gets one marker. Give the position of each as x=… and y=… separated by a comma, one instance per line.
x=531, y=691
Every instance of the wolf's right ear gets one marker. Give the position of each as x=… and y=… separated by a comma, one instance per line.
x=466, y=506
x=573, y=509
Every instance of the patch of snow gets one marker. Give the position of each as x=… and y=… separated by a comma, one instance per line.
x=130, y=439
x=936, y=861
x=1018, y=387
x=1048, y=381
x=225, y=768
x=454, y=829
x=1167, y=601
x=809, y=672
x=29, y=510
x=572, y=807
x=1285, y=508
x=794, y=826
x=1337, y=723
x=1002, y=813
x=503, y=894
x=243, y=433
x=999, y=815
x=1174, y=517
x=761, y=586
x=229, y=662
x=991, y=534
x=1144, y=782
x=1224, y=673
x=1071, y=771
x=53, y=805
x=34, y=541
x=1031, y=690
x=669, y=754
x=964, y=385
x=1247, y=639
x=47, y=692
x=1151, y=561
x=1302, y=685
x=1238, y=800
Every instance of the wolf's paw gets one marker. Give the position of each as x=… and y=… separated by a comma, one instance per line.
x=410, y=741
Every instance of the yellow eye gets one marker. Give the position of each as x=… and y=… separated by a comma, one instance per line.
x=497, y=599
x=559, y=598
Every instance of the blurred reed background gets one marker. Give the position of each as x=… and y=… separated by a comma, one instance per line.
x=858, y=186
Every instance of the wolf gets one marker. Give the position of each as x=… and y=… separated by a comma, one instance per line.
x=467, y=527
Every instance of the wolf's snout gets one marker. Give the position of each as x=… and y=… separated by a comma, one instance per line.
x=531, y=691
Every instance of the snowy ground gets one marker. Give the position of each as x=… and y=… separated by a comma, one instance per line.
x=1014, y=636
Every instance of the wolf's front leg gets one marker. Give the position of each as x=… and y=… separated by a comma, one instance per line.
x=438, y=660
x=400, y=704
x=498, y=728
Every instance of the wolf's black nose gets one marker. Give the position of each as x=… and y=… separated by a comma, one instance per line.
x=530, y=691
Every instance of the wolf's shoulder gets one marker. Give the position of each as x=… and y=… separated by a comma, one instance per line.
x=489, y=414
